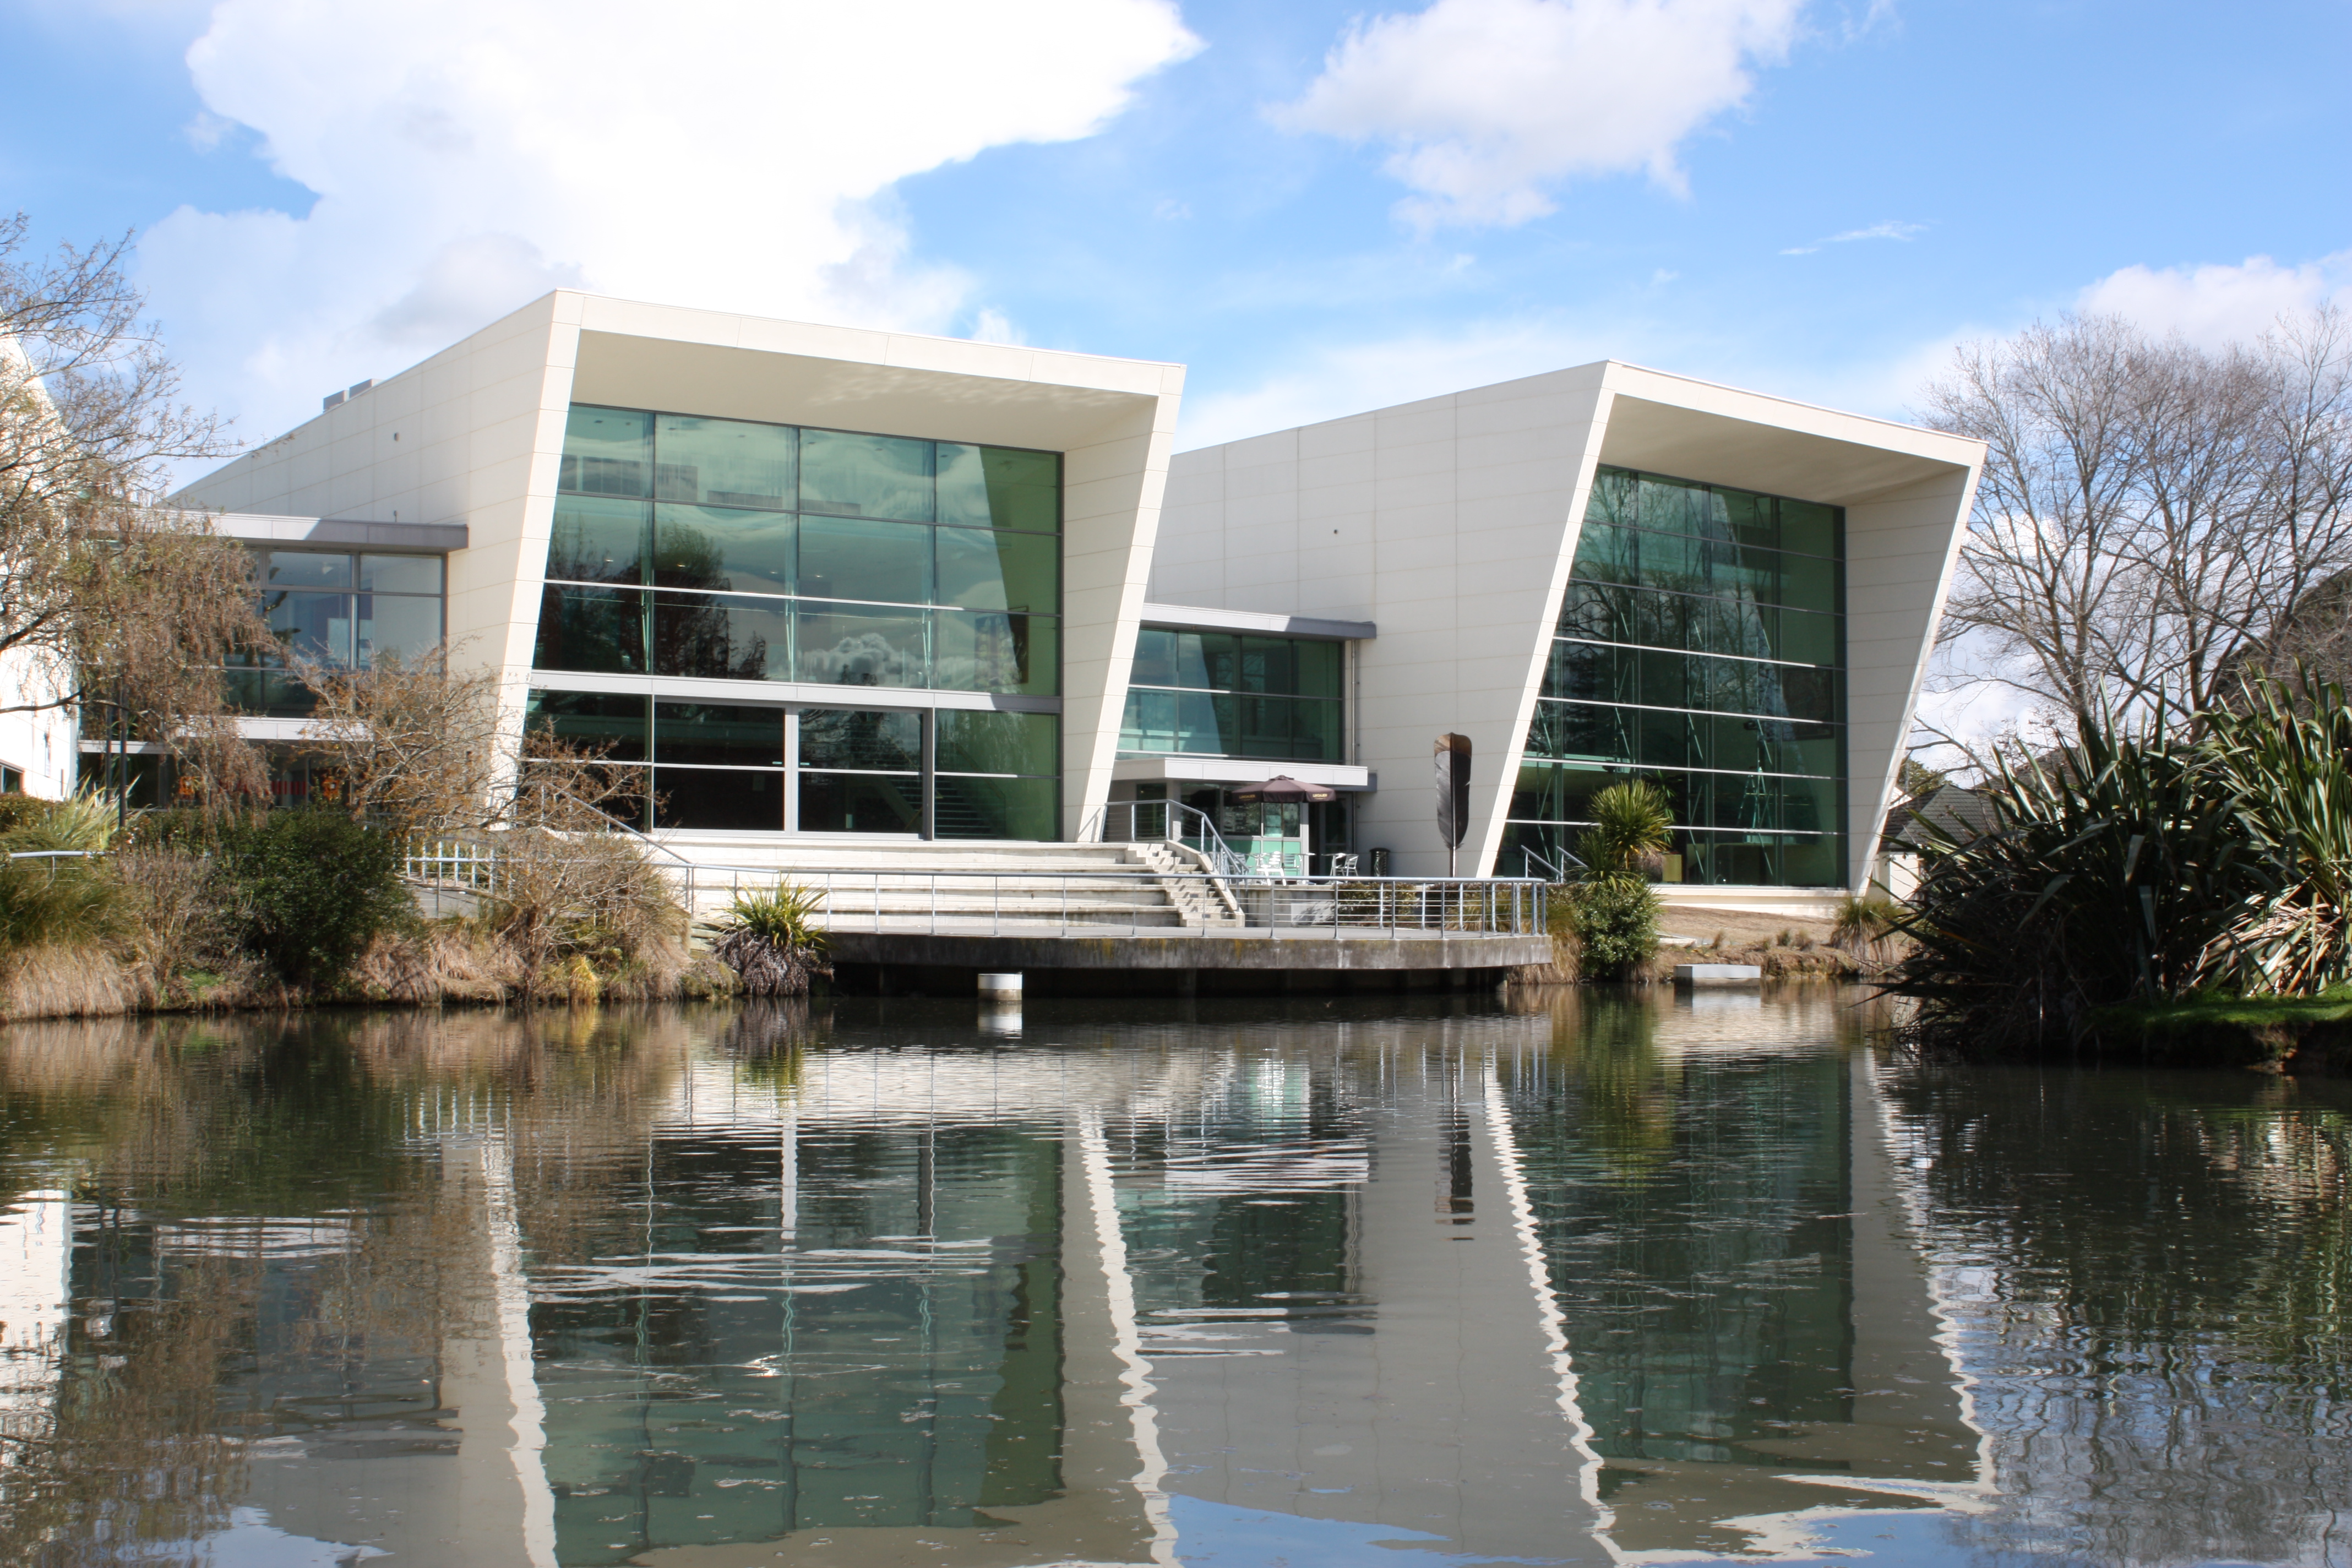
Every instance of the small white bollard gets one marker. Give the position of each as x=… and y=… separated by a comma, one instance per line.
x=1719, y=974
x=1000, y=987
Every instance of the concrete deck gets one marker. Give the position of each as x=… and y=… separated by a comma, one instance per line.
x=1181, y=962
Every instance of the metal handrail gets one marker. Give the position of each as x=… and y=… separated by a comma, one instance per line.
x=1223, y=857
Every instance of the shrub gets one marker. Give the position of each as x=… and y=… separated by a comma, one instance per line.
x=773, y=941
x=315, y=887
x=1630, y=824
x=1616, y=922
x=67, y=896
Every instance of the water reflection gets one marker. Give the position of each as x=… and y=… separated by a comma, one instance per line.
x=1593, y=1279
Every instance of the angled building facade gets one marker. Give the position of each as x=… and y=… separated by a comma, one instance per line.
x=824, y=582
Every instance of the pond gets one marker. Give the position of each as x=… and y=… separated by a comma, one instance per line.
x=1585, y=1278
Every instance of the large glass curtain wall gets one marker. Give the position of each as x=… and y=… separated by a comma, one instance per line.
x=1225, y=695
x=341, y=610
x=722, y=549
x=1701, y=644
x=819, y=769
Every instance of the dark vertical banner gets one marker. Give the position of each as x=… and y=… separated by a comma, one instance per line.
x=1452, y=796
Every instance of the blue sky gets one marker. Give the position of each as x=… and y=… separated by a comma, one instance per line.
x=1318, y=207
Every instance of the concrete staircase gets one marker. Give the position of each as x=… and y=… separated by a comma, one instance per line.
x=955, y=885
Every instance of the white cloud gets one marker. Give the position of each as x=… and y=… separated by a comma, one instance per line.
x=1889, y=230
x=2216, y=304
x=469, y=154
x=1488, y=104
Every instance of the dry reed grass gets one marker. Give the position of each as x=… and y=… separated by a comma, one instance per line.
x=57, y=980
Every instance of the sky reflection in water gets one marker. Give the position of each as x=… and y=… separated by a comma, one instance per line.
x=1585, y=1280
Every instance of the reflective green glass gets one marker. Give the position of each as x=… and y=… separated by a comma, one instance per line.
x=608, y=452
x=1664, y=739
x=597, y=540
x=997, y=808
x=856, y=645
x=1811, y=694
x=1265, y=726
x=606, y=724
x=1607, y=553
x=860, y=803
x=719, y=799
x=988, y=650
x=311, y=626
x=866, y=476
x=1809, y=527
x=973, y=742
x=1220, y=660
x=1147, y=723
x=725, y=462
x=725, y=736
x=1806, y=639
x=1319, y=668
x=723, y=548
x=1265, y=665
x=1167, y=658
x=400, y=573
x=1000, y=487
x=1315, y=730
x=1674, y=506
x=890, y=563
x=305, y=569
x=1808, y=583
x=722, y=638
x=599, y=631
x=984, y=570
x=1753, y=520
x=1547, y=793
x=861, y=738
x=397, y=625
x=1614, y=492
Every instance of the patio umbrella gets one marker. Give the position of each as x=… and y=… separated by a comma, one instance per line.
x=1284, y=790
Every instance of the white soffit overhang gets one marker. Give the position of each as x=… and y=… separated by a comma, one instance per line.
x=980, y=404
x=1780, y=448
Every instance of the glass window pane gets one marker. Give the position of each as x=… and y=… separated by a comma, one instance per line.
x=1221, y=661
x=1265, y=726
x=1807, y=640
x=866, y=476
x=861, y=738
x=608, y=452
x=597, y=541
x=400, y=573
x=1155, y=658
x=305, y=569
x=1000, y=487
x=982, y=650
x=1607, y=553
x=1315, y=730
x=999, y=742
x=983, y=570
x=723, y=548
x=1808, y=583
x=741, y=737
x=1810, y=694
x=1148, y=724
x=860, y=803
x=611, y=726
x=1662, y=739
x=890, y=563
x=1318, y=667
x=1752, y=518
x=719, y=799
x=722, y=638
x=851, y=644
x=1613, y=490
x=1204, y=724
x=1809, y=527
x=1674, y=562
x=1267, y=665
x=1674, y=506
x=598, y=631
x=997, y=808
x=724, y=462
x=401, y=628
x=311, y=626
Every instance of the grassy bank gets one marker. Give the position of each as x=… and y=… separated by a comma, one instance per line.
x=2268, y=1033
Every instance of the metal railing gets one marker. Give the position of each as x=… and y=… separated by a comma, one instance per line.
x=1171, y=822
x=996, y=904
x=1088, y=903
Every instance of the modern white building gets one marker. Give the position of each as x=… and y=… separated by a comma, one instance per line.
x=822, y=581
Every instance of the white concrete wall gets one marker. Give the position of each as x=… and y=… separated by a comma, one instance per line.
x=44, y=741
x=1453, y=523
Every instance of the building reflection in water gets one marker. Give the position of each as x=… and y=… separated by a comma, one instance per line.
x=1593, y=1279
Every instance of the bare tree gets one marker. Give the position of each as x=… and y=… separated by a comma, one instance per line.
x=407, y=743
x=2151, y=514
x=106, y=593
